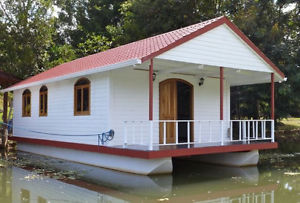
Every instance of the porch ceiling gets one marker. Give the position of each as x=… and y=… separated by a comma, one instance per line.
x=235, y=77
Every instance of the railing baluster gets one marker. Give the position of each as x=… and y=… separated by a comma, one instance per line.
x=151, y=136
x=256, y=130
x=176, y=129
x=165, y=132
x=240, y=130
x=222, y=133
x=133, y=133
x=264, y=129
x=209, y=131
x=272, y=130
x=248, y=130
x=188, y=132
x=244, y=131
x=231, y=125
x=200, y=129
x=125, y=135
x=141, y=133
x=253, y=129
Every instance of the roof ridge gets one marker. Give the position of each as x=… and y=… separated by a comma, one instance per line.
x=141, y=50
x=147, y=38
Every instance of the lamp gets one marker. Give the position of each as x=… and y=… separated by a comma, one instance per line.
x=201, y=81
x=153, y=76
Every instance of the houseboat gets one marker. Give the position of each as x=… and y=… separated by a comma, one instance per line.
x=135, y=107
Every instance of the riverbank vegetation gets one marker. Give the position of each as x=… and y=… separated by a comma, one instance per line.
x=288, y=135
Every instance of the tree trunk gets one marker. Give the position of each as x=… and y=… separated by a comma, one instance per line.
x=4, y=118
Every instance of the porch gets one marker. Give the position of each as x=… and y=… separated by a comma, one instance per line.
x=177, y=134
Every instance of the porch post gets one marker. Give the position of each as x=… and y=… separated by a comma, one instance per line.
x=272, y=97
x=221, y=92
x=151, y=90
x=151, y=104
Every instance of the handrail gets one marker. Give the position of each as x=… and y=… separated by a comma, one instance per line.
x=142, y=121
x=201, y=131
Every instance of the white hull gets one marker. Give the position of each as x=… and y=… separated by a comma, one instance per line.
x=119, y=163
x=231, y=159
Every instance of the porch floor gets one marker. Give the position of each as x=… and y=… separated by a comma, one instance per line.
x=139, y=151
x=173, y=150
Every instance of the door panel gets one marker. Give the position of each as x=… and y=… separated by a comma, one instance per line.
x=167, y=109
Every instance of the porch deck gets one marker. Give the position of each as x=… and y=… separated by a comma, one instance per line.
x=181, y=150
x=159, y=151
x=209, y=137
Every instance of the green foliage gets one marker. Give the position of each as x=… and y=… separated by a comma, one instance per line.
x=94, y=44
x=276, y=33
x=26, y=30
x=59, y=54
x=39, y=34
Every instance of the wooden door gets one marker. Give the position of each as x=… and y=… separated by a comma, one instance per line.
x=167, y=109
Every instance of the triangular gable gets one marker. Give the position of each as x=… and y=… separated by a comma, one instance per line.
x=218, y=47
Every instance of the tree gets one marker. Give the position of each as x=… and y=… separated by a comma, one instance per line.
x=276, y=33
x=83, y=24
x=26, y=33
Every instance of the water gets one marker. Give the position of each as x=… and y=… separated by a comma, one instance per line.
x=27, y=179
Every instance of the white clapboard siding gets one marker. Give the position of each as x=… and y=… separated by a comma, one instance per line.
x=129, y=101
x=218, y=47
x=61, y=117
x=121, y=95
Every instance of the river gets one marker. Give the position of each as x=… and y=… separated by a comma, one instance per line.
x=31, y=178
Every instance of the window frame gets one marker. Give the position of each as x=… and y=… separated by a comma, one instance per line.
x=44, y=94
x=81, y=87
x=25, y=95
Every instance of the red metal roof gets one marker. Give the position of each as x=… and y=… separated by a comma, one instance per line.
x=142, y=49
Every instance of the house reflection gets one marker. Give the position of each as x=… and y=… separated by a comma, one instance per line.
x=26, y=186
x=5, y=184
x=201, y=183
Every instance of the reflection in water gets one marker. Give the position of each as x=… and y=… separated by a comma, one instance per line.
x=190, y=182
x=5, y=184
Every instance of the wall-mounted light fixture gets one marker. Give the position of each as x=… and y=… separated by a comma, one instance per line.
x=153, y=76
x=201, y=81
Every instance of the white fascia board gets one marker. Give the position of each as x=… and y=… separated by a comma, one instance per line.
x=77, y=74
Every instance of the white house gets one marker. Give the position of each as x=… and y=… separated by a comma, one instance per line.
x=164, y=96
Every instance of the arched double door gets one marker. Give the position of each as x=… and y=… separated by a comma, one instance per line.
x=175, y=103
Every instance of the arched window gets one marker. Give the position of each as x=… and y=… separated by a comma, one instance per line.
x=26, y=103
x=82, y=97
x=43, y=109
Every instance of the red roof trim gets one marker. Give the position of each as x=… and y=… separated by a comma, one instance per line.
x=186, y=38
x=209, y=27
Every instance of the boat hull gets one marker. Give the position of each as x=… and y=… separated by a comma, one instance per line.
x=115, y=162
x=239, y=159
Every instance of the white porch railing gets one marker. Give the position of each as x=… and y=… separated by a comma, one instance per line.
x=170, y=132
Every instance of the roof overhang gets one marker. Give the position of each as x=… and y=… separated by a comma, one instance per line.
x=150, y=52
x=130, y=62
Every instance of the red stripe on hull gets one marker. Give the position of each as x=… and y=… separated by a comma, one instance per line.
x=150, y=154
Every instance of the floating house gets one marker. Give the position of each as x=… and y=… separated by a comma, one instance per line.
x=134, y=107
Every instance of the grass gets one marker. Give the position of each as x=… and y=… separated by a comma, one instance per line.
x=290, y=124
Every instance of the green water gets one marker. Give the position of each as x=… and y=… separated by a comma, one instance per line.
x=31, y=178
